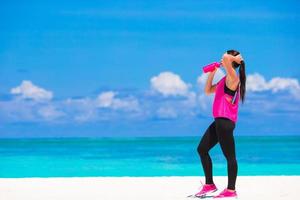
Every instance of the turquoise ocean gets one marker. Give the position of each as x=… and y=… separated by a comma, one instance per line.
x=143, y=156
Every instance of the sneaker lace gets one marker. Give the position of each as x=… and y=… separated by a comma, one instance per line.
x=201, y=185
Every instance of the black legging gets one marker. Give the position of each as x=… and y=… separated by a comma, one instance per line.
x=221, y=130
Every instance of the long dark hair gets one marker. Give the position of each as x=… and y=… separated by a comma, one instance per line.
x=242, y=73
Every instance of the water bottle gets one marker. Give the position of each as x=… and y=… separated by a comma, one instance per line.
x=211, y=67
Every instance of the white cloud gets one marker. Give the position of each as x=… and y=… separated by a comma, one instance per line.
x=50, y=112
x=169, y=84
x=257, y=83
x=28, y=90
x=17, y=110
x=191, y=100
x=81, y=110
x=92, y=109
x=80, y=103
x=108, y=100
x=110, y=105
x=278, y=83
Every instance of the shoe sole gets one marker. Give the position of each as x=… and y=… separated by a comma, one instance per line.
x=234, y=197
x=205, y=195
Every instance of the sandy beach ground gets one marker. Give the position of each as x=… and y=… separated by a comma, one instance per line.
x=143, y=188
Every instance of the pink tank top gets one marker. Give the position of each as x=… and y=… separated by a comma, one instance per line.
x=225, y=105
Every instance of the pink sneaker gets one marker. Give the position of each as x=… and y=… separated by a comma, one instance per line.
x=226, y=193
x=206, y=189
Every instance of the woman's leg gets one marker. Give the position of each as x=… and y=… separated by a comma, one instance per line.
x=225, y=129
x=209, y=139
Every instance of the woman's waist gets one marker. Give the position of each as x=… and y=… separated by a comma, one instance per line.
x=225, y=118
x=225, y=114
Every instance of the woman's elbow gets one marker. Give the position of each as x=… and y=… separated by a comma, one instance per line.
x=227, y=58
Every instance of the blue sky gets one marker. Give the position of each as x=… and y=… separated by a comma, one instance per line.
x=122, y=68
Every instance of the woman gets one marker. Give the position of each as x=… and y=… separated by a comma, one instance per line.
x=228, y=92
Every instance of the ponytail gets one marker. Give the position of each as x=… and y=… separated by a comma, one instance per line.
x=242, y=80
x=242, y=73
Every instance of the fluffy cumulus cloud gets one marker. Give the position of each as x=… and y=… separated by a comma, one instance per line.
x=80, y=110
x=28, y=90
x=169, y=84
x=40, y=106
x=172, y=98
x=257, y=83
x=106, y=99
x=50, y=112
x=17, y=110
x=106, y=106
x=109, y=100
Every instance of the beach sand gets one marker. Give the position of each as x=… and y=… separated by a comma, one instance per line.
x=143, y=188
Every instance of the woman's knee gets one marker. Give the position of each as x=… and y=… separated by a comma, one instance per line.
x=202, y=150
x=231, y=160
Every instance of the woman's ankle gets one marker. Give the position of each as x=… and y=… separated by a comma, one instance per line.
x=230, y=190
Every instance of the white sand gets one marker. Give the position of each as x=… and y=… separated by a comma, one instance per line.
x=143, y=188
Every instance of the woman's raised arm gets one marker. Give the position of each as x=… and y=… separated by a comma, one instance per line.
x=209, y=88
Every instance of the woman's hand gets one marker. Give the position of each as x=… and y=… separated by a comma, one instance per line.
x=214, y=71
x=237, y=58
